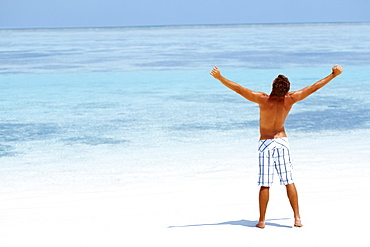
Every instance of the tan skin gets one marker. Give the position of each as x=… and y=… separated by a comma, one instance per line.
x=273, y=113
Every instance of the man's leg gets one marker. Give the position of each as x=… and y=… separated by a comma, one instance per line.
x=293, y=199
x=263, y=200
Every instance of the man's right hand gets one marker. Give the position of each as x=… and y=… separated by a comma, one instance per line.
x=337, y=70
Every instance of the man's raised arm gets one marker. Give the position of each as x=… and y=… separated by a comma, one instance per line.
x=305, y=92
x=245, y=92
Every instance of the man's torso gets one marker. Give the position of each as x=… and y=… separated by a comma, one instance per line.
x=273, y=113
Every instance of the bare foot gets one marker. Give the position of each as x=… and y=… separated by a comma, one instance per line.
x=261, y=224
x=297, y=222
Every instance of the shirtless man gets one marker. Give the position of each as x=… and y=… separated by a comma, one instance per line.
x=273, y=147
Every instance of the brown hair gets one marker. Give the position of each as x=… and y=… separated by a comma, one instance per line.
x=280, y=86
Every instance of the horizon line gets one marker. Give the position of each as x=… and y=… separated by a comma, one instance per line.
x=175, y=26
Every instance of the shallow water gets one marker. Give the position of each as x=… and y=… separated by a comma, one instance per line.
x=91, y=101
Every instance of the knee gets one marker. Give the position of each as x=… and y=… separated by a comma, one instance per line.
x=264, y=188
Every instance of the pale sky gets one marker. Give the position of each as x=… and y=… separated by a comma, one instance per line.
x=105, y=13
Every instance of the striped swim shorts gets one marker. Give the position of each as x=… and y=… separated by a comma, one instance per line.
x=274, y=154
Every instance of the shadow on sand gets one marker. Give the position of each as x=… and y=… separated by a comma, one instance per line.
x=246, y=223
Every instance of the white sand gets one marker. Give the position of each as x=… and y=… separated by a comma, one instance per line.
x=211, y=202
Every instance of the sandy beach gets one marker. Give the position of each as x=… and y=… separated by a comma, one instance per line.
x=211, y=201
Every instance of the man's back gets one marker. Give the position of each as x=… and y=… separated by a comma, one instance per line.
x=273, y=113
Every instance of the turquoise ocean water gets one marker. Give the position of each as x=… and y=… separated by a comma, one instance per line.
x=78, y=97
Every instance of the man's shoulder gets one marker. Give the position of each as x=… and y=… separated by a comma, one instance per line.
x=289, y=98
x=263, y=95
x=263, y=98
x=290, y=94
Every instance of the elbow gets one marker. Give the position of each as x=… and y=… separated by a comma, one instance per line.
x=314, y=90
x=238, y=89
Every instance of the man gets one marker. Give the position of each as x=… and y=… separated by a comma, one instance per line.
x=273, y=148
